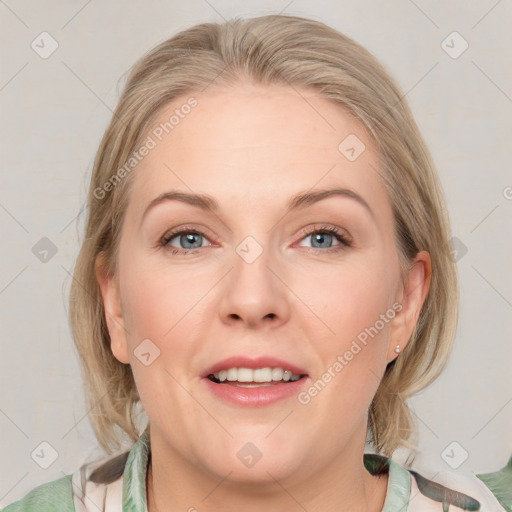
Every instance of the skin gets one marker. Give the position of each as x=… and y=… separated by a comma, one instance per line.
x=252, y=147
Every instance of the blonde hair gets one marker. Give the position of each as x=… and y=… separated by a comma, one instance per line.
x=285, y=50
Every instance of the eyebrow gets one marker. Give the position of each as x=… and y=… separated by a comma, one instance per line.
x=299, y=201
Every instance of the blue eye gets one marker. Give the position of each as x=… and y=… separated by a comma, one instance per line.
x=322, y=238
x=189, y=240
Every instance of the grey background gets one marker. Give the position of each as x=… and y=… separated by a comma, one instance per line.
x=54, y=112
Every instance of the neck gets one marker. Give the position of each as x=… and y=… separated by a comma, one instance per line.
x=343, y=485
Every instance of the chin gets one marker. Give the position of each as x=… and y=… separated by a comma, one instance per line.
x=254, y=463
x=263, y=473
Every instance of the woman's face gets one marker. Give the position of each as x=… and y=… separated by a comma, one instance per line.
x=266, y=282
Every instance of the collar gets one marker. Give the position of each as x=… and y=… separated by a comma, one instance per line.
x=134, y=478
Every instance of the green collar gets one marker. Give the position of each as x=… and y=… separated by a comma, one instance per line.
x=134, y=478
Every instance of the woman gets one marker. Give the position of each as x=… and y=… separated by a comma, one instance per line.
x=267, y=271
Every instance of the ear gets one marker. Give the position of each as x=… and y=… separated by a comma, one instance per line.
x=411, y=299
x=113, y=311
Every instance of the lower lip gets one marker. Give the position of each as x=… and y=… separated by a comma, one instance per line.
x=256, y=396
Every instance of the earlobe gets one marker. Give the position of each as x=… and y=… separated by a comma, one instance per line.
x=113, y=311
x=412, y=298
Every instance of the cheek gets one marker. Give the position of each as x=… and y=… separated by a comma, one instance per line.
x=168, y=308
x=347, y=299
x=353, y=308
x=162, y=308
x=159, y=301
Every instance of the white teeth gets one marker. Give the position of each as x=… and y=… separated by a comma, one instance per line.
x=277, y=373
x=232, y=374
x=245, y=375
x=261, y=375
x=257, y=375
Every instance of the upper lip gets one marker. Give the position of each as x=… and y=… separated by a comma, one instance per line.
x=253, y=362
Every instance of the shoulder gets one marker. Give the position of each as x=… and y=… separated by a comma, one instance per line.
x=425, y=490
x=97, y=485
x=56, y=496
x=500, y=483
x=462, y=491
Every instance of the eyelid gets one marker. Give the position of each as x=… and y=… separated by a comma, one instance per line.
x=172, y=233
x=341, y=235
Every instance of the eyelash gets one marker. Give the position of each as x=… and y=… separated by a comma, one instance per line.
x=343, y=239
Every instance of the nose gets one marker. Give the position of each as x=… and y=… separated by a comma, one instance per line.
x=254, y=294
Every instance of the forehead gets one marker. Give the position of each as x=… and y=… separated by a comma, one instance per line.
x=255, y=144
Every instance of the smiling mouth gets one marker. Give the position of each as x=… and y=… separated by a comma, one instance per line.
x=249, y=378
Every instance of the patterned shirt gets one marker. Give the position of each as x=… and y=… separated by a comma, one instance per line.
x=119, y=485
